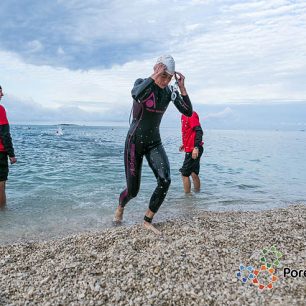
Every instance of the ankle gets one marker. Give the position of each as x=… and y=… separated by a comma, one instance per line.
x=147, y=219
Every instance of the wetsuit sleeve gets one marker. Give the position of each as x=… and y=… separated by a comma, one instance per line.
x=198, y=136
x=194, y=122
x=142, y=88
x=183, y=104
x=7, y=139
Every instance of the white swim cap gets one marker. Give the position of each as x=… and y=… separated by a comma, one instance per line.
x=169, y=62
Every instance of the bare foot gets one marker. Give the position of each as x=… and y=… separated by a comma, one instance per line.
x=118, y=215
x=150, y=227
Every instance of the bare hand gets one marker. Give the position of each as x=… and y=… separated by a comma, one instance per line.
x=181, y=82
x=13, y=160
x=195, y=153
x=181, y=148
x=159, y=69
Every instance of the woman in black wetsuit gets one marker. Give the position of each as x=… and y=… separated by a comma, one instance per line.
x=151, y=98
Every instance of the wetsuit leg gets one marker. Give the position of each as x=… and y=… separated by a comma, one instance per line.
x=158, y=161
x=133, y=165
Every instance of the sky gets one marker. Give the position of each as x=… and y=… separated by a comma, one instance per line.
x=72, y=61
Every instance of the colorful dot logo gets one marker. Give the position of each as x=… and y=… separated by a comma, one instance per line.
x=245, y=273
x=264, y=277
x=272, y=277
x=274, y=254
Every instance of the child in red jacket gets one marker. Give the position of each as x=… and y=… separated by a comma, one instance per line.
x=192, y=135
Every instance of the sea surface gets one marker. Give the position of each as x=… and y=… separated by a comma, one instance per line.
x=69, y=182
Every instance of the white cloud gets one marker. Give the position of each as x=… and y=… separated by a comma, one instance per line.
x=192, y=27
x=54, y=87
x=201, y=1
x=236, y=53
x=34, y=46
x=60, y=51
x=222, y=114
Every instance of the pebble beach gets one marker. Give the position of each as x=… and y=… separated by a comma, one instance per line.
x=194, y=262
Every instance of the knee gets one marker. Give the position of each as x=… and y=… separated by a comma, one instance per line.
x=127, y=195
x=194, y=175
x=133, y=194
x=133, y=191
x=165, y=183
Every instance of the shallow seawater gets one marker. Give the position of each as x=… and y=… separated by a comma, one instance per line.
x=69, y=183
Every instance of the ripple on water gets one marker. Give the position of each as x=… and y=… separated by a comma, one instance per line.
x=72, y=183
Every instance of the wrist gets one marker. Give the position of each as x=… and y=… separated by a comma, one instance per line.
x=183, y=91
x=153, y=77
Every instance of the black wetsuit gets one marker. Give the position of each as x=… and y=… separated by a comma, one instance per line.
x=143, y=139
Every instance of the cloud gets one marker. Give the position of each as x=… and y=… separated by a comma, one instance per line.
x=34, y=46
x=222, y=114
x=95, y=34
x=60, y=51
x=54, y=87
x=25, y=112
x=86, y=55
